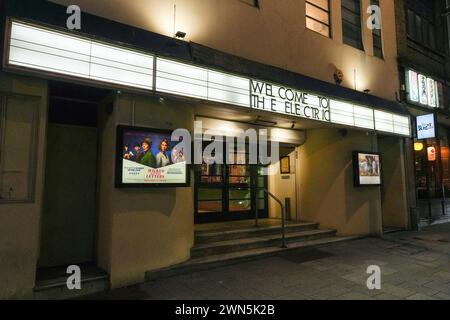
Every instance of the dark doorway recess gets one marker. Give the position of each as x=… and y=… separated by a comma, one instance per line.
x=69, y=215
x=73, y=104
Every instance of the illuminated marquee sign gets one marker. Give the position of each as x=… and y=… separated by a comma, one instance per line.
x=422, y=89
x=353, y=115
x=38, y=48
x=55, y=52
x=279, y=99
x=191, y=81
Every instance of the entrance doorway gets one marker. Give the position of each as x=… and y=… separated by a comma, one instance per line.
x=226, y=192
x=68, y=225
x=394, y=204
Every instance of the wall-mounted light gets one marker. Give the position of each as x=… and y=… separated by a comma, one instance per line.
x=338, y=76
x=180, y=35
x=418, y=146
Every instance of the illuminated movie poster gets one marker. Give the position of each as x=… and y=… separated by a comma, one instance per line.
x=148, y=157
x=367, y=169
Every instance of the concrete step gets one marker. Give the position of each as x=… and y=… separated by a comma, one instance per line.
x=228, y=246
x=56, y=288
x=388, y=230
x=202, y=237
x=220, y=260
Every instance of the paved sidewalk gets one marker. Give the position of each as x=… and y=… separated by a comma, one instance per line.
x=414, y=265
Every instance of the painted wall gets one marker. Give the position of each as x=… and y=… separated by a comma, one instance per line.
x=19, y=223
x=283, y=186
x=327, y=194
x=394, y=190
x=275, y=34
x=141, y=230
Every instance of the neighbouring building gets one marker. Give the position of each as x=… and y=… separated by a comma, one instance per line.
x=423, y=61
x=75, y=105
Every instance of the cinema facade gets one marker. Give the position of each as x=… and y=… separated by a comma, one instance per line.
x=69, y=101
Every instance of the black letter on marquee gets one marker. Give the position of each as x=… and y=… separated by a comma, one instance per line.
x=258, y=102
x=257, y=86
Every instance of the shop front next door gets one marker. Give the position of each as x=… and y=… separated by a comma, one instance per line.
x=226, y=192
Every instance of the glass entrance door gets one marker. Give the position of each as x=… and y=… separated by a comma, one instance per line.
x=229, y=192
x=432, y=174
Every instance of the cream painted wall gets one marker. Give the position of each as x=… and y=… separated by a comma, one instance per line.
x=142, y=230
x=327, y=194
x=394, y=191
x=19, y=223
x=276, y=35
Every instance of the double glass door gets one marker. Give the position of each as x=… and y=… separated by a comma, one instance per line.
x=226, y=192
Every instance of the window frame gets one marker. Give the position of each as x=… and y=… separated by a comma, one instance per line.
x=33, y=149
x=360, y=26
x=376, y=35
x=329, y=25
x=420, y=21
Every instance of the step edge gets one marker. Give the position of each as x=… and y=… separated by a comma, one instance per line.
x=326, y=240
x=204, y=252
x=58, y=284
x=203, y=234
x=198, y=266
x=292, y=235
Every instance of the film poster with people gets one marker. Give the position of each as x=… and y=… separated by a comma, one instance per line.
x=369, y=169
x=150, y=157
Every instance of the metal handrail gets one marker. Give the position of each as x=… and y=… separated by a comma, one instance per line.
x=283, y=218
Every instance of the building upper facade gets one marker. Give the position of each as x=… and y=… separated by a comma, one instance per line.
x=310, y=37
x=423, y=47
x=122, y=55
x=421, y=35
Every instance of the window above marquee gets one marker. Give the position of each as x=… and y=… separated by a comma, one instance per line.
x=318, y=16
x=351, y=23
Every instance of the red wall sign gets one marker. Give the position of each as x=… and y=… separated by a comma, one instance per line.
x=431, y=153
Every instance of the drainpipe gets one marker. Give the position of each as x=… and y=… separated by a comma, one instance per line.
x=447, y=16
